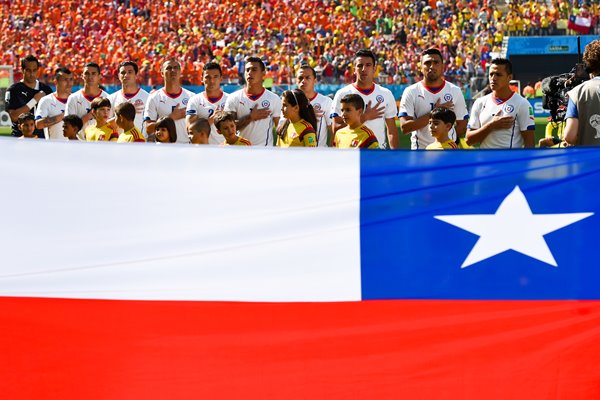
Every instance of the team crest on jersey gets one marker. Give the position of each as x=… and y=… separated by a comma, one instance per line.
x=379, y=98
x=266, y=104
x=138, y=103
x=185, y=101
x=317, y=107
x=354, y=143
x=448, y=97
x=509, y=108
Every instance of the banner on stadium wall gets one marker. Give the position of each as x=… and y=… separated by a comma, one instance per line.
x=141, y=271
x=538, y=108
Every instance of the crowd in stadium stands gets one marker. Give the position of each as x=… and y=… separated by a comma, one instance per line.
x=286, y=33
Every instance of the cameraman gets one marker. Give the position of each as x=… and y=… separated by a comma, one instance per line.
x=584, y=103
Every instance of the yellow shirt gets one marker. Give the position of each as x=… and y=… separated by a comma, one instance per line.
x=239, y=142
x=448, y=144
x=362, y=137
x=132, y=135
x=299, y=134
x=103, y=133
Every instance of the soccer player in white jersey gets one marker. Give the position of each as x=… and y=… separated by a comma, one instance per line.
x=50, y=111
x=79, y=103
x=130, y=92
x=256, y=109
x=502, y=119
x=433, y=91
x=380, y=111
x=206, y=104
x=169, y=101
x=306, y=78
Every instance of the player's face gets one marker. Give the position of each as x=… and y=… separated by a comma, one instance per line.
x=127, y=76
x=499, y=78
x=289, y=111
x=350, y=114
x=227, y=129
x=27, y=128
x=364, y=70
x=162, y=135
x=432, y=68
x=254, y=74
x=91, y=77
x=64, y=83
x=212, y=80
x=171, y=71
x=30, y=72
x=306, y=80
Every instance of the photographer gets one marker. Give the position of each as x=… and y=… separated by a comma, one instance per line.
x=583, y=111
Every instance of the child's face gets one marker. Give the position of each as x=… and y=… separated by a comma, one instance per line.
x=227, y=128
x=351, y=115
x=288, y=110
x=69, y=131
x=101, y=114
x=438, y=128
x=27, y=128
x=162, y=135
x=120, y=121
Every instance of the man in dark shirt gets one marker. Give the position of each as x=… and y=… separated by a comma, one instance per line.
x=23, y=96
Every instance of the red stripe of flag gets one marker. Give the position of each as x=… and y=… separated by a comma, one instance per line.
x=89, y=349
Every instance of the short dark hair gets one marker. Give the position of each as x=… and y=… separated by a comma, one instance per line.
x=25, y=117
x=307, y=66
x=254, y=59
x=129, y=63
x=366, y=53
x=222, y=116
x=126, y=110
x=200, y=125
x=100, y=102
x=92, y=65
x=591, y=56
x=28, y=59
x=212, y=65
x=432, y=51
x=61, y=71
x=503, y=61
x=355, y=100
x=445, y=115
x=74, y=121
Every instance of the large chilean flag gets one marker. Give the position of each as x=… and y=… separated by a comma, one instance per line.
x=180, y=272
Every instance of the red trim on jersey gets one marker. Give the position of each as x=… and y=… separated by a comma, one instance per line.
x=501, y=101
x=64, y=101
x=366, y=92
x=129, y=96
x=254, y=97
x=90, y=99
x=428, y=88
x=314, y=97
x=213, y=100
x=173, y=95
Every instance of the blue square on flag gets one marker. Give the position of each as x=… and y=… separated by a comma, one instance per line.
x=480, y=225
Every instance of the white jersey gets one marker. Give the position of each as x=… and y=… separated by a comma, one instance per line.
x=161, y=104
x=139, y=100
x=485, y=108
x=51, y=106
x=79, y=104
x=418, y=100
x=322, y=104
x=204, y=107
x=259, y=133
x=375, y=96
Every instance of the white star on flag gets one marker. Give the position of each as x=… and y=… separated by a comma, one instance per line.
x=512, y=227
